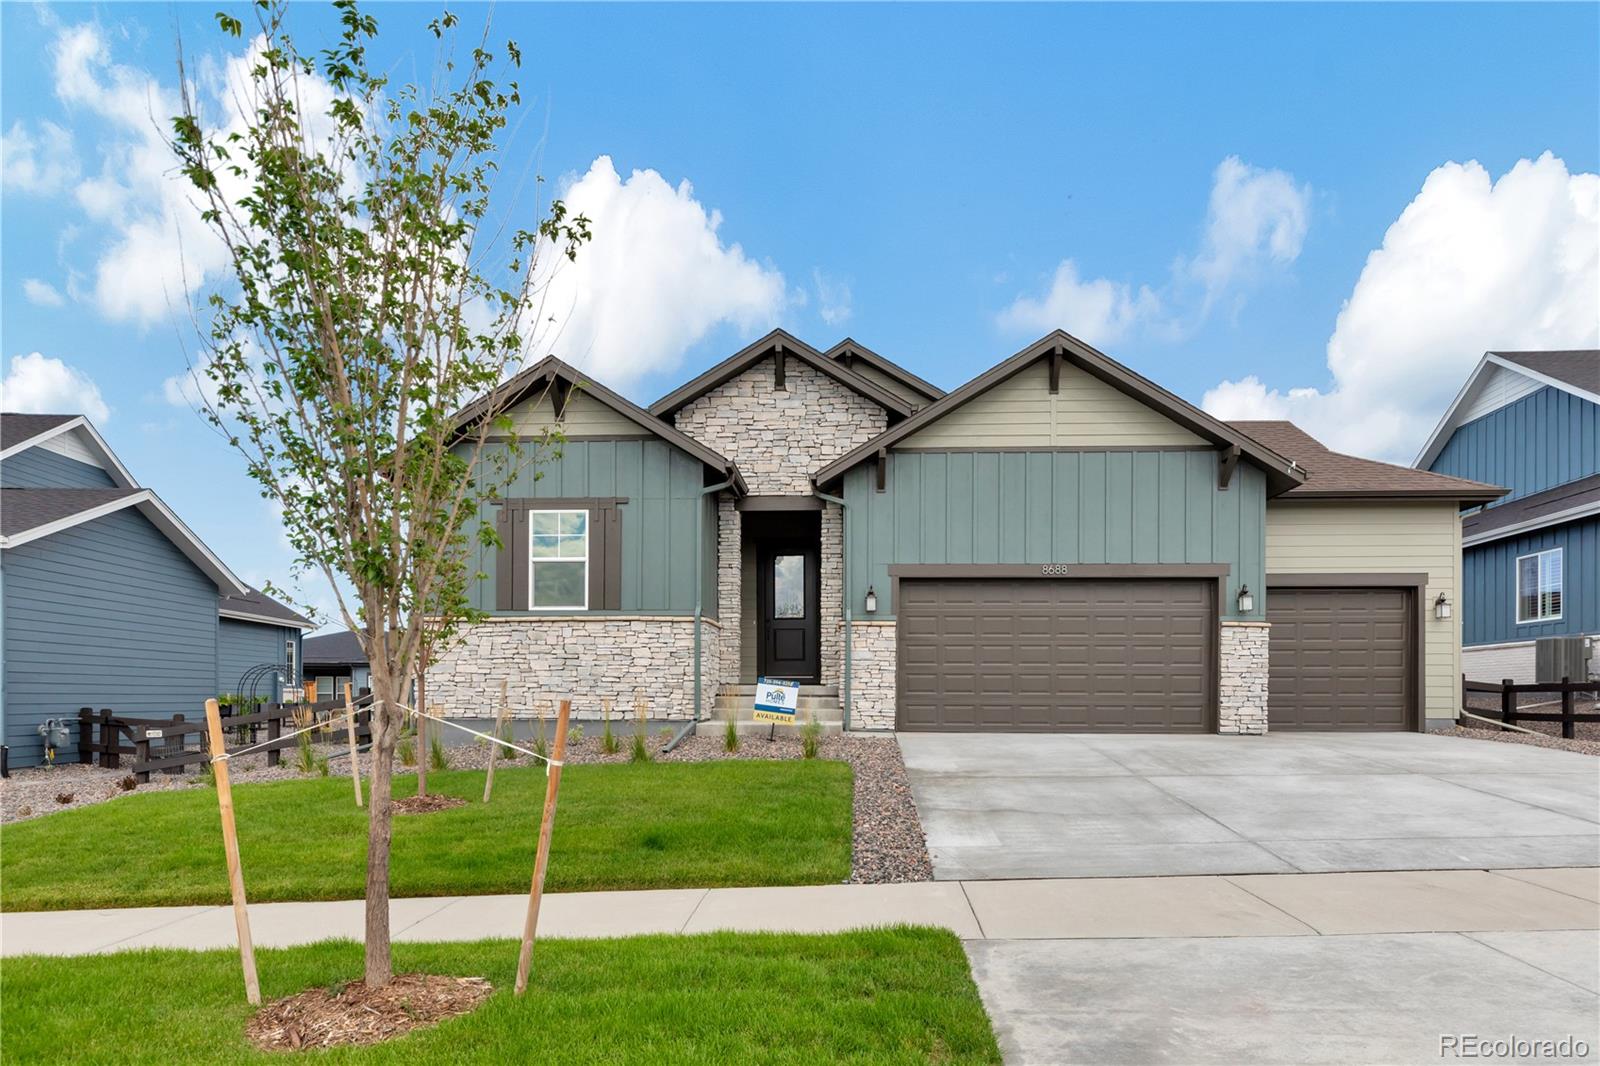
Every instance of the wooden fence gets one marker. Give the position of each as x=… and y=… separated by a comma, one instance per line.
x=163, y=743
x=1510, y=710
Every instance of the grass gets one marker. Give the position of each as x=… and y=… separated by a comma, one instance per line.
x=644, y=825
x=881, y=996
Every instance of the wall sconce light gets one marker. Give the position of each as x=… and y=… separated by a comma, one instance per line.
x=872, y=600
x=1247, y=602
x=1441, y=607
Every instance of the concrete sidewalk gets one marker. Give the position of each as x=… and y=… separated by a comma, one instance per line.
x=1256, y=905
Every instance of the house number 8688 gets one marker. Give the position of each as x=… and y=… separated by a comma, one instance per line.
x=1054, y=569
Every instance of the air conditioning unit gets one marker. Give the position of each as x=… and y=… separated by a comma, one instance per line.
x=1558, y=657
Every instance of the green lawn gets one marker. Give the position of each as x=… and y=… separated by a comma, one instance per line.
x=652, y=825
x=881, y=996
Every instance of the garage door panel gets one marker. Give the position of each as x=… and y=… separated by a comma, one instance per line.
x=1044, y=655
x=1340, y=658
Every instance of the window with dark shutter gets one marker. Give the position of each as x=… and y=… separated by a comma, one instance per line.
x=559, y=555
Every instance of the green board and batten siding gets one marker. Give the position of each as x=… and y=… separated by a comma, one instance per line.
x=1055, y=506
x=662, y=486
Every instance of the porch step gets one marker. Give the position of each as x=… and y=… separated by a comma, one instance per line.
x=805, y=690
x=714, y=727
x=822, y=703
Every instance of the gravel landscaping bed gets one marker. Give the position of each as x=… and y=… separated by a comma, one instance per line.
x=888, y=842
x=1584, y=744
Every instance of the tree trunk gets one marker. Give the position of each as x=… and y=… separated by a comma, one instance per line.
x=380, y=826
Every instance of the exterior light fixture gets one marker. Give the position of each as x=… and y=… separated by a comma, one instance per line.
x=1247, y=602
x=872, y=600
x=1441, y=607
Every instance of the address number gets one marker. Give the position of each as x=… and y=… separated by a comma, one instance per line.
x=1054, y=569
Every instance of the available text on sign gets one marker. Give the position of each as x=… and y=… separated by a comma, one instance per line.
x=776, y=701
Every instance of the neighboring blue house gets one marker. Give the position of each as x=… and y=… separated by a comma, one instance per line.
x=1531, y=560
x=108, y=600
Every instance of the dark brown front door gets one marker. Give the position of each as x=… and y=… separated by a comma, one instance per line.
x=788, y=595
x=1339, y=658
x=1056, y=656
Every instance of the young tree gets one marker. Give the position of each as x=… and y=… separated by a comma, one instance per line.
x=372, y=294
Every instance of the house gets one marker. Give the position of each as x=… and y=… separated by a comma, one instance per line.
x=1531, y=560
x=334, y=660
x=108, y=600
x=1057, y=545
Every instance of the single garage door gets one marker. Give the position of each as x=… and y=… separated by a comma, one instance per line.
x=1040, y=655
x=1340, y=658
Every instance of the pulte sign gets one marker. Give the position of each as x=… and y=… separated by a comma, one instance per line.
x=776, y=701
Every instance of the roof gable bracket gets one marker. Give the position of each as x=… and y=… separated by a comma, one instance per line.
x=1228, y=462
x=1055, y=369
x=883, y=469
x=560, y=395
x=778, y=367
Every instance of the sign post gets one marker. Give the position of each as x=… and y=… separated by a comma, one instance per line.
x=776, y=702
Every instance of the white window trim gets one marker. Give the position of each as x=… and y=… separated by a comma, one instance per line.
x=1561, y=589
x=533, y=562
x=291, y=662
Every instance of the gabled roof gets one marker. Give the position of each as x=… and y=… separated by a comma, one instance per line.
x=1334, y=475
x=1576, y=371
x=1564, y=503
x=19, y=432
x=32, y=514
x=741, y=361
x=341, y=647
x=551, y=370
x=848, y=351
x=1281, y=473
x=257, y=606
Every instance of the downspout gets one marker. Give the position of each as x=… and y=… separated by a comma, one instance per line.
x=844, y=585
x=699, y=600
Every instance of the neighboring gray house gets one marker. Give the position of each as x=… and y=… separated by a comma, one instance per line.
x=107, y=599
x=1057, y=545
x=334, y=659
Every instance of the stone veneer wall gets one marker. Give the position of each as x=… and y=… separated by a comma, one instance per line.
x=779, y=437
x=586, y=658
x=729, y=608
x=1242, y=697
x=872, y=681
x=832, y=593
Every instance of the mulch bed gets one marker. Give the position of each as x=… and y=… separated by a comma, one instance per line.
x=427, y=804
x=354, y=1015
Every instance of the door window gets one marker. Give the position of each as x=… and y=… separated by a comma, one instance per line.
x=789, y=586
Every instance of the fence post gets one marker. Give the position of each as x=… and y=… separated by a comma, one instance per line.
x=1508, y=702
x=274, y=731
x=86, y=734
x=1567, y=727
x=110, y=742
x=141, y=756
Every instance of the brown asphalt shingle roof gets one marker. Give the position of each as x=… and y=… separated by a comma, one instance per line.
x=25, y=509
x=1532, y=508
x=1579, y=368
x=341, y=647
x=15, y=428
x=1334, y=474
x=259, y=603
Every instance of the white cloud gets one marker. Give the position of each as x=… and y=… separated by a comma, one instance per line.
x=37, y=384
x=656, y=278
x=1471, y=265
x=41, y=292
x=191, y=389
x=42, y=162
x=1256, y=219
x=834, y=299
x=1097, y=311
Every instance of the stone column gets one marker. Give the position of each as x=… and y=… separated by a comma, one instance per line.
x=729, y=548
x=832, y=607
x=1242, y=695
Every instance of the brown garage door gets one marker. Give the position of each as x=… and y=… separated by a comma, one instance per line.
x=1055, y=656
x=1340, y=658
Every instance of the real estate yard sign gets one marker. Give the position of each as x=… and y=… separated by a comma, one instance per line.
x=776, y=701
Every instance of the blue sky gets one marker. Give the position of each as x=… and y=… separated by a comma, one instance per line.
x=1197, y=189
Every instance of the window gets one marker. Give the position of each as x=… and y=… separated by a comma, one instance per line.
x=558, y=560
x=290, y=677
x=324, y=689
x=789, y=586
x=1539, y=587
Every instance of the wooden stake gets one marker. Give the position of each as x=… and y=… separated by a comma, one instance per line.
x=350, y=734
x=541, y=859
x=494, y=749
x=230, y=848
x=422, y=728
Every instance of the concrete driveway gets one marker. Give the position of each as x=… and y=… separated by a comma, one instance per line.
x=1043, y=805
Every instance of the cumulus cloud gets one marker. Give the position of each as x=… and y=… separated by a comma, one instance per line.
x=41, y=293
x=834, y=301
x=1472, y=264
x=40, y=161
x=1097, y=311
x=1255, y=219
x=656, y=278
x=38, y=384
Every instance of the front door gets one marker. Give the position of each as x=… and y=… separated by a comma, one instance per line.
x=788, y=592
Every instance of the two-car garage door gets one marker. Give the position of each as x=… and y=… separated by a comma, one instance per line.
x=1038, y=655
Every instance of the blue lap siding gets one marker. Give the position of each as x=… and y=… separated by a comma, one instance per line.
x=106, y=614
x=242, y=645
x=1489, y=590
x=37, y=468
